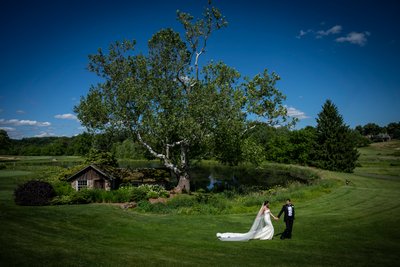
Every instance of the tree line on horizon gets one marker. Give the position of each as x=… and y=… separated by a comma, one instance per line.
x=282, y=145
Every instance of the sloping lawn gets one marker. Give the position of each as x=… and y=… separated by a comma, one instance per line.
x=354, y=225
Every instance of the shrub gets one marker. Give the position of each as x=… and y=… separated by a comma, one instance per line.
x=62, y=200
x=84, y=196
x=34, y=193
x=138, y=194
x=145, y=192
x=123, y=194
x=182, y=200
x=63, y=188
x=151, y=194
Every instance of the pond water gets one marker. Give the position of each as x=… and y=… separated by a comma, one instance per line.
x=218, y=177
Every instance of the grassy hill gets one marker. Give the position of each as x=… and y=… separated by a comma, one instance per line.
x=353, y=225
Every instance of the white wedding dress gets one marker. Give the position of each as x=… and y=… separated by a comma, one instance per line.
x=262, y=229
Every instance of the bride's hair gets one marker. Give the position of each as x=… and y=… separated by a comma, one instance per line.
x=266, y=202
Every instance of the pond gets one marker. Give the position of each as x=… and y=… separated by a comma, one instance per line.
x=218, y=177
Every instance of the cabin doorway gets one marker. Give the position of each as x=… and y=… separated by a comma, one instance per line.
x=99, y=184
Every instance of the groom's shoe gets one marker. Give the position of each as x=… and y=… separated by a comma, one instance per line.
x=282, y=237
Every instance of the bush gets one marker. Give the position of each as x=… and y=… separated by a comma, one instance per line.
x=145, y=192
x=123, y=194
x=34, y=193
x=138, y=194
x=84, y=196
x=63, y=188
x=181, y=201
x=62, y=200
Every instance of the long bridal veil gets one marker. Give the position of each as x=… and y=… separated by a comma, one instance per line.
x=258, y=224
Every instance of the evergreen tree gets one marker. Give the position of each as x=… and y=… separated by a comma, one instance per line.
x=5, y=142
x=335, y=149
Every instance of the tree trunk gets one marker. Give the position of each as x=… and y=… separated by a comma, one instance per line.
x=183, y=184
x=181, y=171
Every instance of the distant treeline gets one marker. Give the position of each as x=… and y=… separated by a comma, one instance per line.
x=376, y=133
x=49, y=146
x=279, y=144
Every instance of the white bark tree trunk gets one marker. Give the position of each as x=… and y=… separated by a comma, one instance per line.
x=181, y=171
x=183, y=184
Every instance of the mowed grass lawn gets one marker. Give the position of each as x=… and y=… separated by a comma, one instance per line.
x=353, y=225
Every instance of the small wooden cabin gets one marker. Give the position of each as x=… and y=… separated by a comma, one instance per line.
x=94, y=177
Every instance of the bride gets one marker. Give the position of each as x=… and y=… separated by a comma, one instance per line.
x=262, y=227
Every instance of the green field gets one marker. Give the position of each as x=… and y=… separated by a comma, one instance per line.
x=353, y=225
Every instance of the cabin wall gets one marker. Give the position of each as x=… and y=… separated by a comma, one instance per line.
x=93, y=180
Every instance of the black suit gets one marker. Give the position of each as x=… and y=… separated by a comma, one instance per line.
x=288, y=218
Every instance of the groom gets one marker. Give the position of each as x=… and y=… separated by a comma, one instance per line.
x=288, y=210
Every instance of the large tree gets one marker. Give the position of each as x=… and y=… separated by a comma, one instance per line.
x=176, y=108
x=372, y=129
x=393, y=129
x=335, y=147
x=5, y=142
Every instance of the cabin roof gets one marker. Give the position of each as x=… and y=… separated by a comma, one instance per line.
x=106, y=171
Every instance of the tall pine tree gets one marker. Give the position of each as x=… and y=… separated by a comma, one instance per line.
x=335, y=148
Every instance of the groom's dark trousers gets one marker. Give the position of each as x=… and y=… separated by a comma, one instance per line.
x=288, y=219
x=288, y=231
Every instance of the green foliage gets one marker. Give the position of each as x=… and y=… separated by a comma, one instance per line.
x=278, y=148
x=374, y=132
x=51, y=146
x=253, y=152
x=62, y=188
x=236, y=202
x=64, y=174
x=66, y=195
x=335, y=148
x=283, y=145
x=101, y=158
x=302, y=145
x=371, y=129
x=359, y=139
x=139, y=194
x=5, y=142
x=129, y=150
x=34, y=193
x=393, y=129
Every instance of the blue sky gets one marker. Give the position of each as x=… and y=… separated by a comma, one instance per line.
x=346, y=51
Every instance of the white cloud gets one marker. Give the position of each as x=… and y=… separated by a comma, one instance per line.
x=20, y=111
x=359, y=38
x=8, y=129
x=44, y=134
x=303, y=33
x=15, y=122
x=321, y=33
x=67, y=116
x=334, y=30
x=295, y=113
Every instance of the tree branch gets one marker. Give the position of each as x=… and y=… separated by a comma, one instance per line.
x=248, y=129
x=167, y=162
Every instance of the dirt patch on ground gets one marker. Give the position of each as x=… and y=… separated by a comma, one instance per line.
x=5, y=158
x=394, y=144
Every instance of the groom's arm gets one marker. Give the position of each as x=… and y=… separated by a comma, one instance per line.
x=282, y=210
